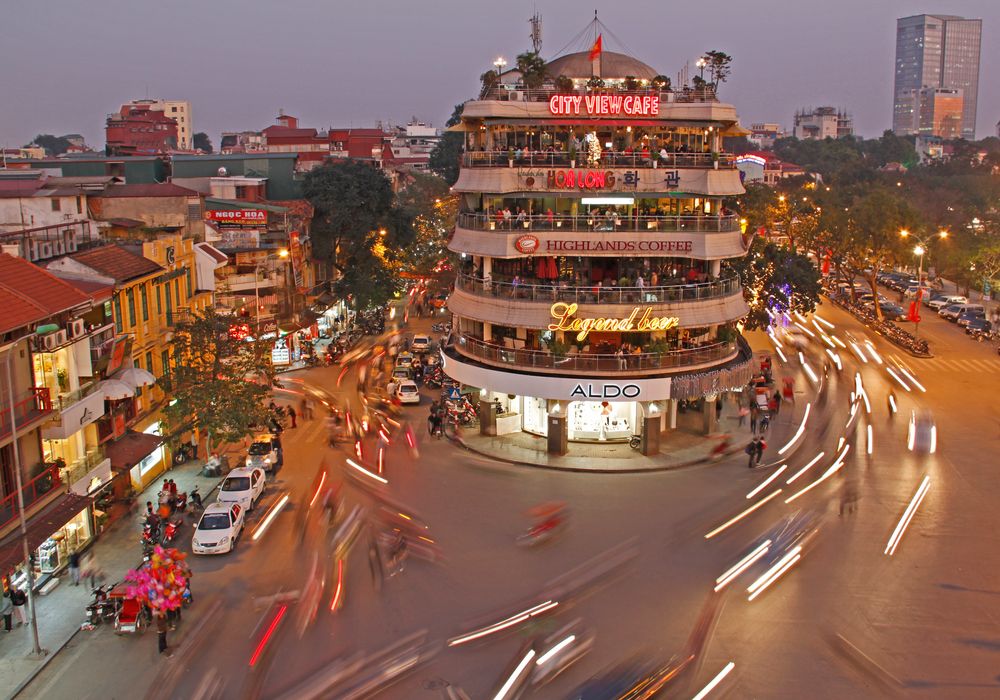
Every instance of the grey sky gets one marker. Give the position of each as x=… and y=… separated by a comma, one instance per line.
x=344, y=63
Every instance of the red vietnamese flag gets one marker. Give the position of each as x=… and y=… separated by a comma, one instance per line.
x=595, y=50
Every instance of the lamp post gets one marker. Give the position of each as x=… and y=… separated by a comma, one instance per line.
x=281, y=255
x=499, y=64
x=701, y=63
x=36, y=647
x=919, y=249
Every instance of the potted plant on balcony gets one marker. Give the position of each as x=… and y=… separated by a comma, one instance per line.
x=564, y=84
x=510, y=157
x=557, y=348
x=661, y=83
x=595, y=83
x=571, y=152
x=631, y=83
x=655, y=157
x=63, y=379
x=715, y=159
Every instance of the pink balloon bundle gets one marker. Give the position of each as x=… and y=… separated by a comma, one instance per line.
x=160, y=582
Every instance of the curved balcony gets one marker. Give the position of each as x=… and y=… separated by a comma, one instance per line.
x=595, y=364
x=608, y=159
x=592, y=294
x=688, y=223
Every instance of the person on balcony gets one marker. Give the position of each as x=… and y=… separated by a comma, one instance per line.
x=522, y=217
x=507, y=217
x=550, y=218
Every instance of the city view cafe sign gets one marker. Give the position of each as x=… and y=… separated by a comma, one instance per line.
x=640, y=320
x=605, y=105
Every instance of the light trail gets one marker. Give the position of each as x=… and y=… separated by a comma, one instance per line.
x=703, y=693
x=799, y=316
x=912, y=378
x=873, y=352
x=775, y=572
x=742, y=515
x=373, y=475
x=338, y=592
x=835, y=356
x=742, y=565
x=838, y=341
x=837, y=464
x=805, y=330
x=774, y=339
x=767, y=481
x=857, y=351
x=897, y=378
x=555, y=650
x=503, y=624
x=904, y=522
x=822, y=320
x=892, y=404
x=267, y=635
x=826, y=339
x=809, y=371
x=505, y=688
x=781, y=355
x=319, y=489
x=804, y=469
x=870, y=445
x=269, y=517
x=381, y=453
x=798, y=433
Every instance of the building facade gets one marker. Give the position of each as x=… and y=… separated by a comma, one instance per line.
x=823, y=123
x=940, y=112
x=139, y=129
x=593, y=293
x=935, y=51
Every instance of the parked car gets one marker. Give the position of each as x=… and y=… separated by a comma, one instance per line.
x=265, y=452
x=978, y=325
x=946, y=300
x=404, y=359
x=243, y=486
x=893, y=312
x=218, y=529
x=911, y=291
x=407, y=392
x=953, y=311
x=966, y=316
x=401, y=374
x=420, y=343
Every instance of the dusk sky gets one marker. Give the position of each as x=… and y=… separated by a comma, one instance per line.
x=68, y=64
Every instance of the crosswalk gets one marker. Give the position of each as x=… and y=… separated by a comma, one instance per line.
x=947, y=364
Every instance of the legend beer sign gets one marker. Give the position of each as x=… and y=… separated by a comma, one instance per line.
x=645, y=323
x=605, y=105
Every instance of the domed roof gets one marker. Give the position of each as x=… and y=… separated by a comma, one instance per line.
x=613, y=65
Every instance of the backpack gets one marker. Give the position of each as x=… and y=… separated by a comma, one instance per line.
x=750, y=449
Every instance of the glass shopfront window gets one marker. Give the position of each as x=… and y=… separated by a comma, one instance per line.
x=602, y=420
x=535, y=415
x=54, y=552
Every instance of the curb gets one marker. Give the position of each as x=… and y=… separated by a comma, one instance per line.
x=921, y=356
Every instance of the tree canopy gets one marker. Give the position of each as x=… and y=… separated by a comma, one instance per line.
x=201, y=142
x=219, y=381
x=53, y=145
x=776, y=278
x=358, y=229
x=447, y=154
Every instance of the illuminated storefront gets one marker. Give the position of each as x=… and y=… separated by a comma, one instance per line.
x=595, y=289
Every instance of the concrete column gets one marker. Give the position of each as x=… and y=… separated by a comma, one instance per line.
x=708, y=414
x=487, y=331
x=487, y=267
x=558, y=440
x=487, y=418
x=672, y=414
x=716, y=267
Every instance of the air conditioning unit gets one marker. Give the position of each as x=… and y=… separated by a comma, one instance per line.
x=44, y=250
x=49, y=342
x=71, y=243
x=58, y=248
x=514, y=95
x=76, y=328
x=33, y=251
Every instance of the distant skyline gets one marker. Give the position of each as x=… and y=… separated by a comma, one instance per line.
x=339, y=64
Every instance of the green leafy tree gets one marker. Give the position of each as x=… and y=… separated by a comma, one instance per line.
x=776, y=278
x=220, y=381
x=53, y=145
x=661, y=82
x=876, y=220
x=445, y=159
x=358, y=229
x=202, y=143
x=531, y=66
x=435, y=209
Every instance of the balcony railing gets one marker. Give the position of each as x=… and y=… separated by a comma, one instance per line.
x=590, y=363
x=33, y=491
x=249, y=282
x=687, y=223
x=518, y=93
x=592, y=294
x=78, y=469
x=608, y=159
x=29, y=406
x=67, y=399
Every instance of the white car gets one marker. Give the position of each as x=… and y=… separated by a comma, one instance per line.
x=938, y=304
x=420, y=343
x=244, y=486
x=921, y=435
x=407, y=392
x=218, y=529
x=264, y=452
x=404, y=359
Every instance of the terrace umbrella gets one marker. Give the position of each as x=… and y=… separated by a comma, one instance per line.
x=540, y=268
x=553, y=268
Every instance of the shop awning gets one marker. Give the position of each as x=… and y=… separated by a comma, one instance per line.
x=130, y=449
x=41, y=526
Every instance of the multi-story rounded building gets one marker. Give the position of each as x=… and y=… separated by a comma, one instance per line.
x=594, y=290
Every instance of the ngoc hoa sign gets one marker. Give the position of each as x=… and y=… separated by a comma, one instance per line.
x=641, y=320
x=605, y=105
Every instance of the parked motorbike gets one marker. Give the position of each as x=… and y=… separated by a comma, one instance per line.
x=181, y=502
x=103, y=607
x=183, y=453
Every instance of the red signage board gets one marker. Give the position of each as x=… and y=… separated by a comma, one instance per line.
x=240, y=217
x=526, y=244
x=581, y=179
x=605, y=105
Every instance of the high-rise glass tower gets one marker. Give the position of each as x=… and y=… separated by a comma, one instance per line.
x=937, y=51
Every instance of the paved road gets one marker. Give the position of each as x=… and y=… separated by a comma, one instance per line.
x=925, y=617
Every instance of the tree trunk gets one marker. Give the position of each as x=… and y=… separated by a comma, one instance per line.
x=874, y=285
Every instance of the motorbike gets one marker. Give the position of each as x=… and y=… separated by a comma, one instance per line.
x=183, y=453
x=196, y=499
x=181, y=502
x=170, y=531
x=103, y=607
x=635, y=442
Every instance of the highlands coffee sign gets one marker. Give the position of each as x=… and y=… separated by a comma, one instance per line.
x=605, y=105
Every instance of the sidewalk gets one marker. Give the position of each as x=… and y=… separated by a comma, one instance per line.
x=61, y=612
x=681, y=447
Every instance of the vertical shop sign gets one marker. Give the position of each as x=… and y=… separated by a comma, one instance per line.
x=298, y=262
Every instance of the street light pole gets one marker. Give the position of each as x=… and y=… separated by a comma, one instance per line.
x=919, y=250
x=36, y=648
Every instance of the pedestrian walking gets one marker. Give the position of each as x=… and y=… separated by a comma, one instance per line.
x=751, y=450
x=743, y=413
x=761, y=446
x=74, y=567
x=194, y=445
x=161, y=632
x=292, y=414
x=718, y=409
x=777, y=402
x=19, y=600
x=91, y=569
x=7, y=610
x=754, y=415
x=304, y=409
